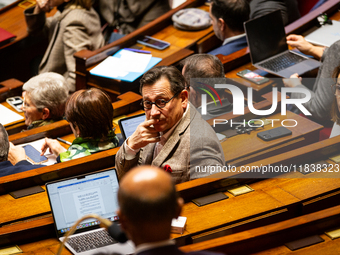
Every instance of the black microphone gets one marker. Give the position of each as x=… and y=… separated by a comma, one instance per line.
x=117, y=233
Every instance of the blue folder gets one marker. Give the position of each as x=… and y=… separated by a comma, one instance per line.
x=131, y=76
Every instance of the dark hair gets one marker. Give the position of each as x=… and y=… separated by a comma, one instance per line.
x=4, y=144
x=91, y=111
x=233, y=12
x=202, y=66
x=335, y=114
x=139, y=209
x=174, y=76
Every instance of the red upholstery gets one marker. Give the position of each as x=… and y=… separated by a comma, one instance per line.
x=306, y=5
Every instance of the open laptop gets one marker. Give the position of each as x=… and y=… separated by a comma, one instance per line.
x=269, y=50
x=129, y=125
x=72, y=198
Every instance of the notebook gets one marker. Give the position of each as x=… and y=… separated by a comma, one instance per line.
x=129, y=125
x=268, y=48
x=72, y=198
x=6, y=37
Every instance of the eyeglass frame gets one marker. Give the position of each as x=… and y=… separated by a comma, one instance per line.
x=154, y=103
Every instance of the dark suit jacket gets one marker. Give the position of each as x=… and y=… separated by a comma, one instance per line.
x=231, y=47
x=173, y=250
x=289, y=9
x=192, y=144
x=6, y=168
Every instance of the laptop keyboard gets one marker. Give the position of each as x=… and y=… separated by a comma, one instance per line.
x=90, y=241
x=281, y=62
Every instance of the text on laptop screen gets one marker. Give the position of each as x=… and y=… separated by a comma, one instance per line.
x=266, y=36
x=71, y=199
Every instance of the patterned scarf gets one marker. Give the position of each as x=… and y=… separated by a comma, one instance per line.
x=86, y=146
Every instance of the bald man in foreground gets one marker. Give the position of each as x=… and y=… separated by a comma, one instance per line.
x=148, y=202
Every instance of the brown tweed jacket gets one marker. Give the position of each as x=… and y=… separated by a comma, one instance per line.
x=192, y=145
x=69, y=31
x=132, y=14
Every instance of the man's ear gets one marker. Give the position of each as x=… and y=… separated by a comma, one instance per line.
x=180, y=203
x=184, y=97
x=221, y=24
x=46, y=113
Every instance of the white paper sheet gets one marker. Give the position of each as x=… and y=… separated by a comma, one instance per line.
x=8, y=116
x=128, y=62
x=133, y=61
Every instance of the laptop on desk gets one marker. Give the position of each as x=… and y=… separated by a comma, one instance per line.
x=129, y=125
x=72, y=198
x=269, y=50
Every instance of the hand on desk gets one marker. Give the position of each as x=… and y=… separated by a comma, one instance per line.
x=144, y=134
x=299, y=42
x=16, y=154
x=293, y=81
x=53, y=145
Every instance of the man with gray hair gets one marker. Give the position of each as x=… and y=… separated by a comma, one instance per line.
x=9, y=151
x=45, y=96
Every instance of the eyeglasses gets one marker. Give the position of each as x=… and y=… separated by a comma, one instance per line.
x=336, y=89
x=160, y=103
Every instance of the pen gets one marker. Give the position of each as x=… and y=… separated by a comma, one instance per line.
x=139, y=51
x=63, y=141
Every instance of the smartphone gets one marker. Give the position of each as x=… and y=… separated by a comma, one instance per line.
x=274, y=133
x=153, y=43
x=252, y=76
x=15, y=102
x=210, y=199
x=33, y=155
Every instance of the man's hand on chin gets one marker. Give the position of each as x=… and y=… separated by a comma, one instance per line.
x=144, y=134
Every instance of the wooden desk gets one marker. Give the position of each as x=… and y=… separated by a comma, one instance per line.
x=10, y=88
x=181, y=44
x=244, y=148
x=18, y=54
x=270, y=239
x=16, y=126
x=273, y=200
x=262, y=206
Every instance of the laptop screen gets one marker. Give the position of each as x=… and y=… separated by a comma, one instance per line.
x=70, y=199
x=266, y=36
x=129, y=125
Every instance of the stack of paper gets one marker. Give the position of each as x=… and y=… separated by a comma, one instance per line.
x=8, y=116
x=125, y=65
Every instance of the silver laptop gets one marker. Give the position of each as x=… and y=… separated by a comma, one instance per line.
x=72, y=198
x=268, y=48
